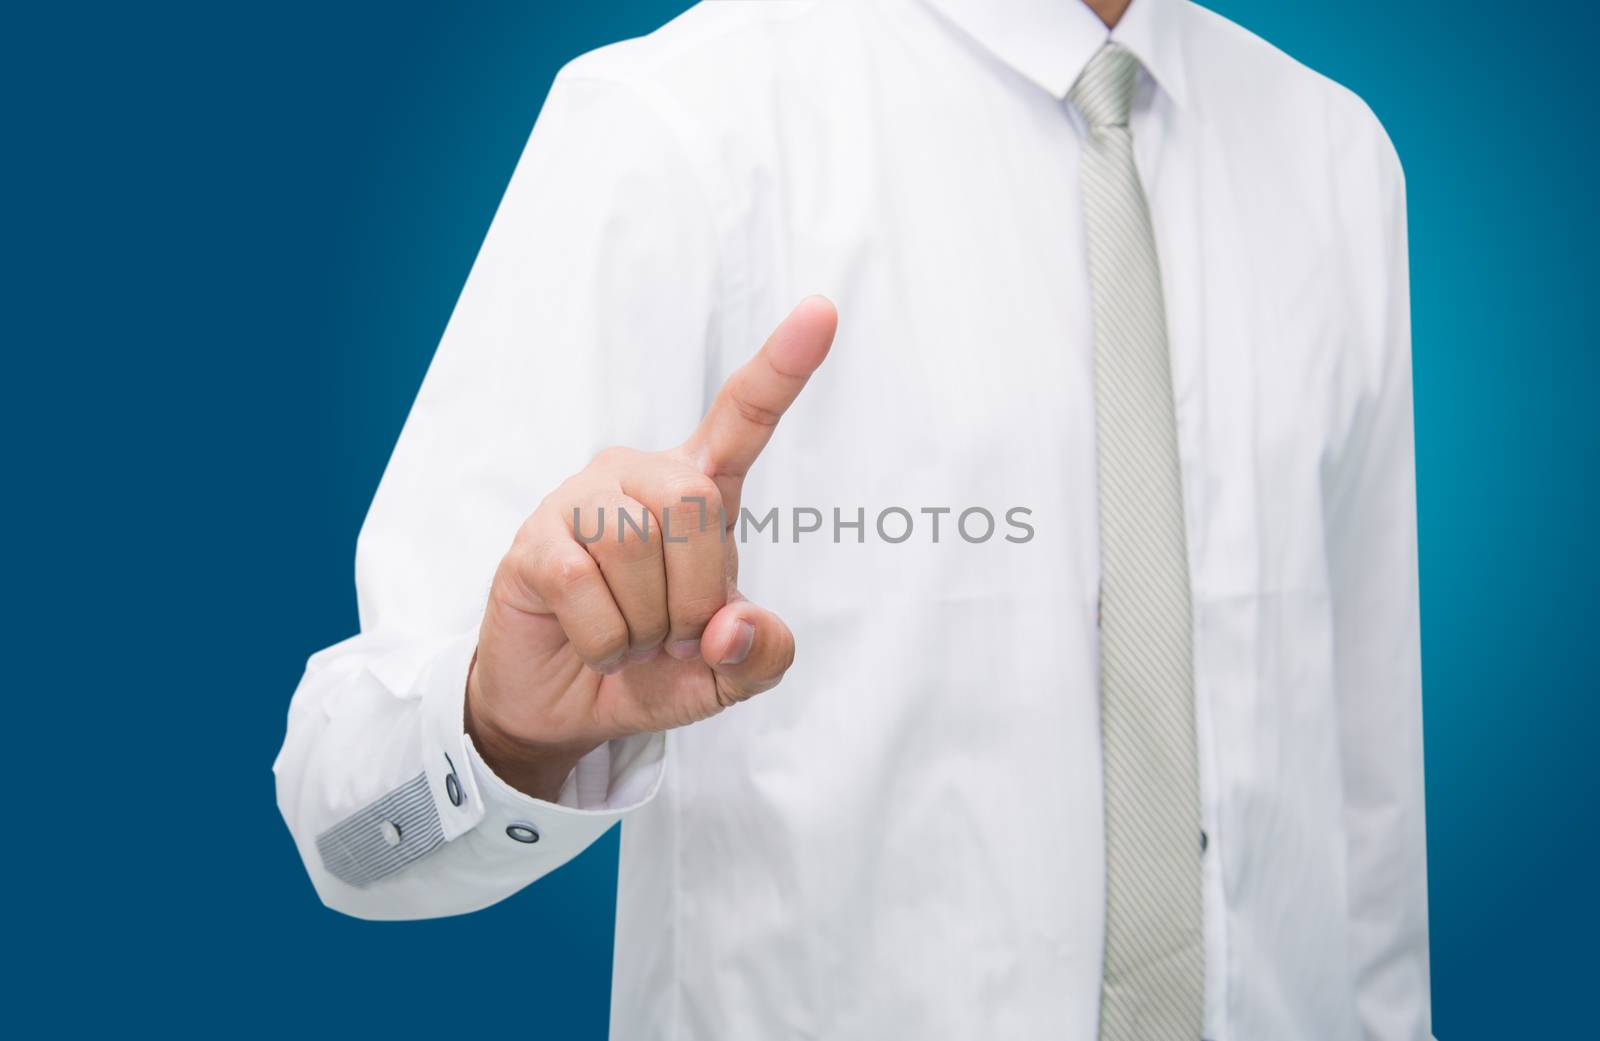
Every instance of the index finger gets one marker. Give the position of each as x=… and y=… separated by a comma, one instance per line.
x=747, y=408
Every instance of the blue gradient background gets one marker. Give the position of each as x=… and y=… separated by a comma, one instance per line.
x=234, y=235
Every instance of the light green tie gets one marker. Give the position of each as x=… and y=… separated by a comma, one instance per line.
x=1153, y=986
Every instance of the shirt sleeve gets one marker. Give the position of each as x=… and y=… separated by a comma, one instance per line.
x=586, y=321
x=1372, y=531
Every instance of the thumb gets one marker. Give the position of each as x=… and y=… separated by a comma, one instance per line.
x=748, y=648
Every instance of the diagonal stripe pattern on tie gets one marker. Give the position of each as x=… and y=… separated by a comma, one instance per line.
x=1154, y=972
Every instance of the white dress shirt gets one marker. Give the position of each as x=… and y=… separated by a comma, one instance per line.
x=904, y=840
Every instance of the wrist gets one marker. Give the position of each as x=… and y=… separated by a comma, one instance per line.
x=535, y=768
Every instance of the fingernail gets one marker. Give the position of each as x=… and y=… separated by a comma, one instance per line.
x=615, y=665
x=743, y=640
x=644, y=654
x=684, y=650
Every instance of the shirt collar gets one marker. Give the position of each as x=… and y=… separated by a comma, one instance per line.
x=1050, y=41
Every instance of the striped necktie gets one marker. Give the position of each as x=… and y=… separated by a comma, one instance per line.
x=1154, y=973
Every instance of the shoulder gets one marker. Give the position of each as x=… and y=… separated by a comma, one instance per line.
x=1248, y=83
x=733, y=87
x=718, y=40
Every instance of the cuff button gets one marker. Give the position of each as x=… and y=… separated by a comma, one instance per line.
x=452, y=787
x=523, y=832
x=391, y=833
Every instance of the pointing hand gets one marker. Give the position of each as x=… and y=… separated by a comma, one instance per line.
x=587, y=638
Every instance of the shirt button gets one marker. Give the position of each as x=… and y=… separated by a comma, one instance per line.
x=391, y=833
x=522, y=832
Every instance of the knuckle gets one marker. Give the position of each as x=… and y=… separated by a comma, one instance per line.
x=693, y=502
x=520, y=578
x=753, y=413
x=605, y=640
x=514, y=561
x=611, y=456
x=691, y=484
x=632, y=532
x=561, y=573
x=784, y=662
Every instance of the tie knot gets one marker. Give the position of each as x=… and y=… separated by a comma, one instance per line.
x=1104, y=91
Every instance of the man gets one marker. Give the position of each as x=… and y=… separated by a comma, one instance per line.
x=1137, y=757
